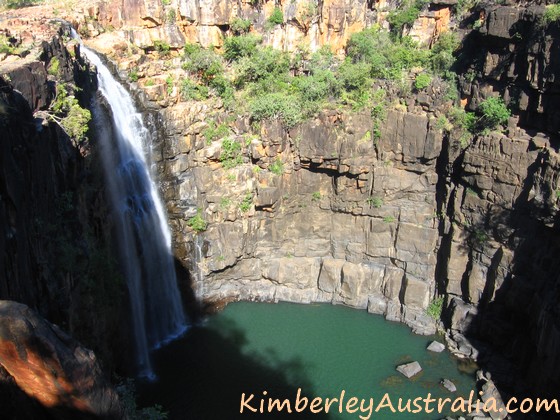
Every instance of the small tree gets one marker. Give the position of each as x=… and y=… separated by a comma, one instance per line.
x=552, y=13
x=197, y=223
x=277, y=17
x=435, y=308
x=494, y=113
x=240, y=26
x=422, y=81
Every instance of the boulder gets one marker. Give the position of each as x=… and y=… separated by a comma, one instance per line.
x=450, y=386
x=52, y=368
x=410, y=369
x=436, y=347
x=489, y=391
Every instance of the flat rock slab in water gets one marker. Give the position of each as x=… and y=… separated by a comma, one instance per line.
x=450, y=386
x=410, y=369
x=436, y=347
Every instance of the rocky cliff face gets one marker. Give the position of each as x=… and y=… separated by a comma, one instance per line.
x=319, y=213
x=324, y=212
x=307, y=24
x=499, y=242
x=330, y=211
x=55, y=236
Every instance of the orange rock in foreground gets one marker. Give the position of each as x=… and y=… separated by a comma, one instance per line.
x=52, y=368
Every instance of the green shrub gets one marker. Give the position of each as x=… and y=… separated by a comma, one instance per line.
x=223, y=88
x=240, y=46
x=246, y=203
x=277, y=17
x=479, y=237
x=133, y=76
x=169, y=83
x=231, y=153
x=405, y=16
x=422, y=81
x=389, y=219
x=362, y=46
x=494, y=113
x=443, y=124
x=197, y=223
x=264, y=63
x=354, y=76
x=225, y=202
x=240, y=26
x=6, y=45
x=277, y=106
x=316, y=196
x=68, y=113
x=320, y=85
x=215, y=132
x=405, y=54
x=375, y=202
x=277, y=167
x=386, y=57
x=162, y=47
x=75, y=123
x=193, y=91
x=171, y=16
x=16, y=4
x=399, y=19
x=203, y=63
x=552, y=13
x=54, y=67
x=462, y=120
x=322, y=59
x=435, y=307
x=441, y=55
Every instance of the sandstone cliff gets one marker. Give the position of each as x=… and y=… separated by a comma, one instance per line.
x=329, y=211
x=324, y=212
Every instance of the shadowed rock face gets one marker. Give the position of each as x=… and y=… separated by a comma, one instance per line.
x=51, y=367
x=385, y=223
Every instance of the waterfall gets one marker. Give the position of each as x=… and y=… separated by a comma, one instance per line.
x=143, y=235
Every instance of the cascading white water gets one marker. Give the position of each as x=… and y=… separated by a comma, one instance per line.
x=139, y=218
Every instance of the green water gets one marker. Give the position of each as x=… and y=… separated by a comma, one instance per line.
x=322, y=349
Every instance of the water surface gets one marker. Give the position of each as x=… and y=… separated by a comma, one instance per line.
x=322, y=349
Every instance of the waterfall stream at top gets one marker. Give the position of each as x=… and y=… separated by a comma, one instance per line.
x=139, y=219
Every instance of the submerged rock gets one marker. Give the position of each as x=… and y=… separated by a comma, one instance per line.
x=52, y=368
x=436, y=347
x=410, y=369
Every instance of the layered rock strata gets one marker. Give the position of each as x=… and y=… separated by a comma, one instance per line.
x=330, y=212
x=325, y=212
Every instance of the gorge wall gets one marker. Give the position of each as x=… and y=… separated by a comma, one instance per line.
x=325, y=212
x=55, y=237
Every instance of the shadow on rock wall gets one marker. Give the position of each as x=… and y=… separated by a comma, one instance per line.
x=514, y=328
